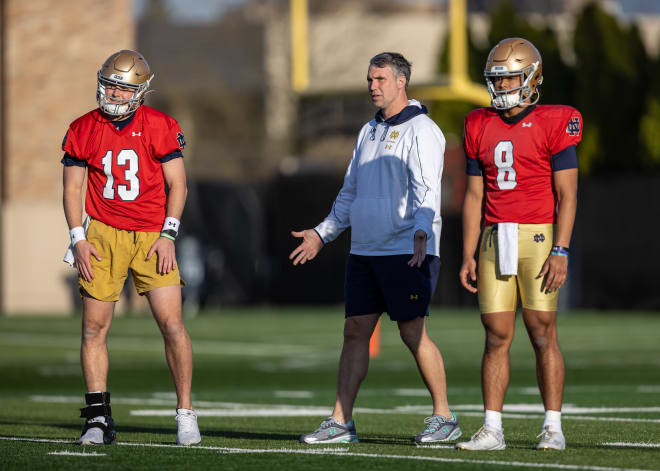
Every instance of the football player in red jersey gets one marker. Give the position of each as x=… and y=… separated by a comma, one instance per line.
x=129, y=152
x=521, y=197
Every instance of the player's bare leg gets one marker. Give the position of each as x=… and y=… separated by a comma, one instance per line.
x=99, y=426
x=429, y=361
x=353, y=363
x=542, y=329
x=500, y=327
x=97, y=317
x=165, y=305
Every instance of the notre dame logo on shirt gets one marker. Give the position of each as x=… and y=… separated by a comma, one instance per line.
x=573, y=128
x=180, y=140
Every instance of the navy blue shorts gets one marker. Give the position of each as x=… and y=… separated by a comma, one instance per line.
x=377, y=284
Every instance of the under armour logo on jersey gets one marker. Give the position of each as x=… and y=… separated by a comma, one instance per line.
x=573, y=128
x=539, y=237
x=133, y=133
x=180, y=140
x=526, y=125
x=414, y=297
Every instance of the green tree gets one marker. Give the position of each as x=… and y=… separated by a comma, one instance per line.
x=612, y=70
x=650, y=123
x=558, y=78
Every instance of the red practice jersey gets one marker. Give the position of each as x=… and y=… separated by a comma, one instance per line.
x=125, y=183
x=516, y=159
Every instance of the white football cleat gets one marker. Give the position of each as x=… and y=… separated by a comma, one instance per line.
x=187, y=431
x=486, y=438
x=551, y=440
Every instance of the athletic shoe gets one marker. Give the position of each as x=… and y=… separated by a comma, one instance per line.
x=486, y=438
x=439, y=429
x=187, y=431
x=331, y=431
x=98, y=431
x=551, y=440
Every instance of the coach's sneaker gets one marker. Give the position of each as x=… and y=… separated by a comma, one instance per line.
x=331, y=431
x=98, y=431
x=551, y=440
x=187, y=431
x=439, y=429
x=486, y=438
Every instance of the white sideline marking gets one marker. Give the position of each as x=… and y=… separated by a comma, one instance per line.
x=640, y=445
x=73, y=453
x=344, y=452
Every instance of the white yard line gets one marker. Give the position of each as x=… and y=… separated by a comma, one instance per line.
x=294, y=394
x=73, y=453
x=152, y=344
x=634, y=445
x=344, y=452
x=306, y=411
x=238, y=409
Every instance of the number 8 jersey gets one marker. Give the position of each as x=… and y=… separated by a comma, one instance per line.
x=125, y=183
x=517, y=156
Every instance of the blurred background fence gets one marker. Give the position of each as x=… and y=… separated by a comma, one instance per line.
x=266, y=156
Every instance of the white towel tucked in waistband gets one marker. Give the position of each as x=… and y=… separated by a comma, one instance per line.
x=507, y=243
x=68, y=256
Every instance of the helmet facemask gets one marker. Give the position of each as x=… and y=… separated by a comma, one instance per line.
x=526, y=94
x=119, y=106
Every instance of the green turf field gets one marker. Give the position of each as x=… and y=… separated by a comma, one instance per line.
x=264, y=376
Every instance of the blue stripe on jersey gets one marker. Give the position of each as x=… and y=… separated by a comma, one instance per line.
x=565, y=159
x=171, y=156
x=473, y=168
x=69, y=161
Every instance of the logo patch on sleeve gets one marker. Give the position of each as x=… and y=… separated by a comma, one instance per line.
x=573, y=128
x=180, y=140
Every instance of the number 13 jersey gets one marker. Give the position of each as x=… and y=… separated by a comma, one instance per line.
x=125, y=183
x=517, y=157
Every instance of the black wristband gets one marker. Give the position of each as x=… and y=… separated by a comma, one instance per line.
x=169, y=233
x=559, y=247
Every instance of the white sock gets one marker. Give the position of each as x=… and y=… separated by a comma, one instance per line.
x=493, y=419
x=552, y=420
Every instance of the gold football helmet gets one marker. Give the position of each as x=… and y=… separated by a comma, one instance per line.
x=126, y=69
x=514, y=57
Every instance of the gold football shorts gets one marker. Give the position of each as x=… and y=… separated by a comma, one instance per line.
x=499, y=293
x=120, y=251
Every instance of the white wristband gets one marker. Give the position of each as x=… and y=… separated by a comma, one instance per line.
x=77, y=234
x=171, y=224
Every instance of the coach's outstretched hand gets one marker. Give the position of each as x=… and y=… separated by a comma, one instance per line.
x=308, y=248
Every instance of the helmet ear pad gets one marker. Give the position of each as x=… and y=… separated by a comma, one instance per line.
x=126, y=69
